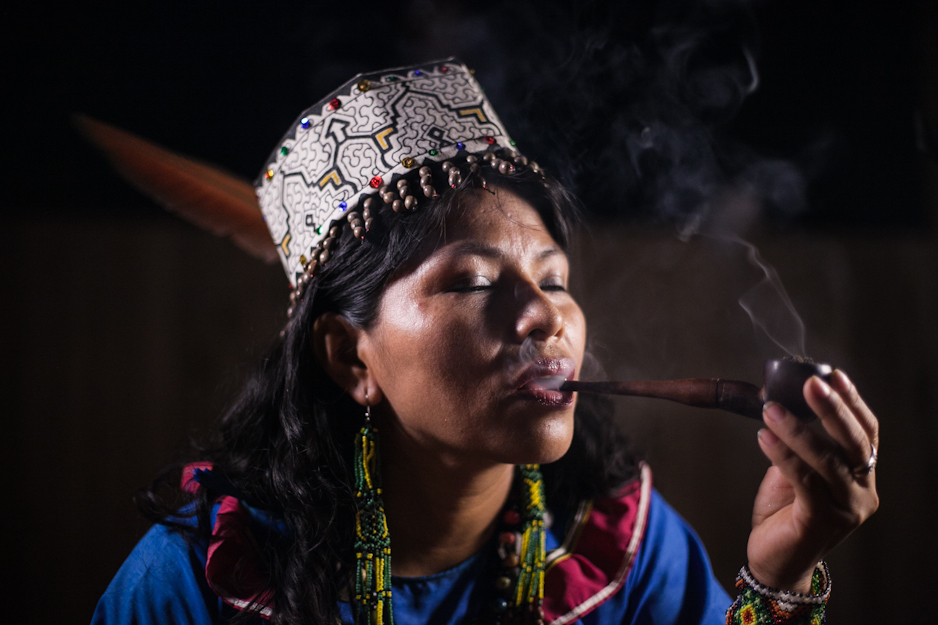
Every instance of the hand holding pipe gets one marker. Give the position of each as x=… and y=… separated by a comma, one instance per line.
x=784, y=381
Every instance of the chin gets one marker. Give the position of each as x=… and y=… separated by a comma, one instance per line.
x=547, y=444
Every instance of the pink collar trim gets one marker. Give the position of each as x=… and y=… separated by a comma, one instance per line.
x=598, y=553
x=589, y=568
x=232, y=568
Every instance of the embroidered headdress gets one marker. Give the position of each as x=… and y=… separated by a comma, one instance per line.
x=359, y=139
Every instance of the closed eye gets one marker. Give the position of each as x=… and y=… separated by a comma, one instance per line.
x=471, y=285
x=554, y=283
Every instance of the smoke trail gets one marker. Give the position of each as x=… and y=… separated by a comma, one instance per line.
x=630, y=103
x=767, y=303
x=528, y=352
x=770, y=308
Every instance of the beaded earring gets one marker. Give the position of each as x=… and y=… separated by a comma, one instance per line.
x=372, y=542
x=529, y=587
x=531, y=577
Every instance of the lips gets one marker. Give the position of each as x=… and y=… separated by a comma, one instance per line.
x=542, y=379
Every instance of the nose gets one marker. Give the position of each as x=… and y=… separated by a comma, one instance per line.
x=538, y=316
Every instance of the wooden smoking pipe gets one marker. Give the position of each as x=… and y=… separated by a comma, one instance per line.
x=784, y=383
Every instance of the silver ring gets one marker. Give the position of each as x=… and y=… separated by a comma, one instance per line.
x=870, y=465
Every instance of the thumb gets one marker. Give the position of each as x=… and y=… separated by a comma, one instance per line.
x=774, y=494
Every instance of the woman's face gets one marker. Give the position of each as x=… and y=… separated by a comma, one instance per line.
x=469, y=337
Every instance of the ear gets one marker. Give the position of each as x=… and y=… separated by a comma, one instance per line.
x=338, y=345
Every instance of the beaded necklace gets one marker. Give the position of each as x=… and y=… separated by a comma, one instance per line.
x=519, y=583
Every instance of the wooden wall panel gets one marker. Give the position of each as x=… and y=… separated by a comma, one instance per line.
x=119, y=339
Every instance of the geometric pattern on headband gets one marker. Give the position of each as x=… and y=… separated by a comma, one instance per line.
x=357, y=138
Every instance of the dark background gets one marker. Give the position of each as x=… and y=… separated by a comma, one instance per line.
x=124, y=331
x=221, y=82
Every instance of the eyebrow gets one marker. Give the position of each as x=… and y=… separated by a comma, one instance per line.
x=475, y=248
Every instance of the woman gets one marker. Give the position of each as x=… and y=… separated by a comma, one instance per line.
x=431, y=304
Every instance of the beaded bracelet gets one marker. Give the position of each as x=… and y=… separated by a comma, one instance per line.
x=760, y=605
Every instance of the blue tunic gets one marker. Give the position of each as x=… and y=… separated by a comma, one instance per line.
x=670, y=582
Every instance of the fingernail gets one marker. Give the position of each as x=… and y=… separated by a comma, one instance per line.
x=767, y=437
x=774, y=412
x=821, y=386
x=841, y=380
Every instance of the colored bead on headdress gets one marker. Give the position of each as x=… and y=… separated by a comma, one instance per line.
x=355, y=141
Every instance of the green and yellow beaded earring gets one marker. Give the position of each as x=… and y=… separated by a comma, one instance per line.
x=528, y=595
x=531, y=576
x=372, y=542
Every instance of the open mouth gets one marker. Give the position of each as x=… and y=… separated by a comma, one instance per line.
x=542, y=380
x=549, y=383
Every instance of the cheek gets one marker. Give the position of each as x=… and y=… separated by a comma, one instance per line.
x=575, y=326
x=440, y=367
x=426, y=359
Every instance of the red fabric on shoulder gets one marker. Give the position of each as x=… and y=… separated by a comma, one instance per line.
x=188, y=482
x=574, y=585
x=233, y=569
x=598, y=564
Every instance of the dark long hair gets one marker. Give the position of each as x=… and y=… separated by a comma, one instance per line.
x=286, y=442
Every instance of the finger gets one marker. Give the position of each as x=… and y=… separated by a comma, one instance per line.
x=819, y=453
x=802, y=478
x=848, y=392
x=838, y=420
x=813, y=492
